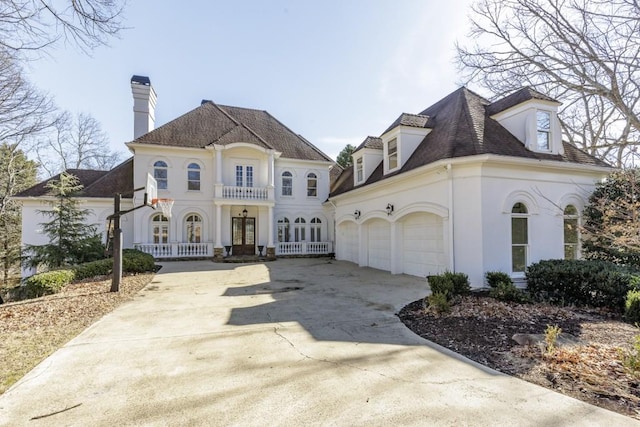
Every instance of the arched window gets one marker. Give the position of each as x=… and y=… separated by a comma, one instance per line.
x=312, y=185
x=316, y=230
x=193, y=228
x=287, y=184
x=283, y=230
x=519, y=237
x=193, y=177
x=160, y=174
x=299, y=230
x=160, y=228
x=571, y=233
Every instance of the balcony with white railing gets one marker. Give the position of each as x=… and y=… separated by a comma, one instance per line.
x=303, y=248
x=244, y=193
x=176, y=250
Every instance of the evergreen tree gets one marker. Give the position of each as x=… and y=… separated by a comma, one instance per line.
x=17, y=173
x=612, y=219
x=344, y=158
x=71, y=240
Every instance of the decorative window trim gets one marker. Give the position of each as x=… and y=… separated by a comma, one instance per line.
x=393, y=154
x=544, y=131
x=312, y=185
x=194, y=167
x=359, y=166
x=517, y=247
x=161, y=174
x=289, y=177
x=194, y=220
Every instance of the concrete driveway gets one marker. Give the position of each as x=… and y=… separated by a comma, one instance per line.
x=292, y=342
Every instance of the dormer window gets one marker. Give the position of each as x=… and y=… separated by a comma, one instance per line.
x=359, y=170
x=392, y=153
x=543, y=119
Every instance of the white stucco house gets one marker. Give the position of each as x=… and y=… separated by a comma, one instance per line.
x=466, y=185
x=242, y=184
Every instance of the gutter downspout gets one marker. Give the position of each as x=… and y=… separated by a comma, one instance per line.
x=452, y=257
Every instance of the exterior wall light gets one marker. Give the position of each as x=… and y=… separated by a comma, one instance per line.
x=356, y=214
x=389, y=209
x=244, y=212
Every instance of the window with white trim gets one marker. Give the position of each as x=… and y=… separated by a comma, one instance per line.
x=359, y=170
x=571, y=233
x=392, y=153
x=312, y=185
x=193, y=228
x=299, y=230
x=193, y=177
x=283, y=230
x=543, y=121
x=287, y=183
x=315, y=230
x=160, y=229
x=244, y=176
x=160, y=174
x=519, y=237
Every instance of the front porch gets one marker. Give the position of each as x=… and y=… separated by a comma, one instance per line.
x=206, y=250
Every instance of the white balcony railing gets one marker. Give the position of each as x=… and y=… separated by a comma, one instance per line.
x=303, y=248
x=245, y=193
x=176, y=250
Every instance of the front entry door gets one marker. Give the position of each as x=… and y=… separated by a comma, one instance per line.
x=243, y=235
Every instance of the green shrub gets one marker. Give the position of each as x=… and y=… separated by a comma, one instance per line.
x=135, y=261
x=439, y=303
x=581, y=283
x=47, y=283
x=93, y=269
x=496, y=277
x=632, y=306
x=460, y=282
x=507, y=291
x=440, y=285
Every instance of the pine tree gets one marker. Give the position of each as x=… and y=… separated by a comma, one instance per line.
x=344, y=158
x=16, y=174
x=71, y=240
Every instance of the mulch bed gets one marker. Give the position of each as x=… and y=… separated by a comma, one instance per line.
x=481, y=328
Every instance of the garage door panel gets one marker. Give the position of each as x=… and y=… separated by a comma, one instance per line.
x=379, y=237
x=348, y=244
x=422, y=245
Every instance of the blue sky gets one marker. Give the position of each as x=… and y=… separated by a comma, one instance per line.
x=333, y=71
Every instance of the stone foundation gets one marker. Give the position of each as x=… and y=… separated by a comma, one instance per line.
x=271, y=253
x=218, y=254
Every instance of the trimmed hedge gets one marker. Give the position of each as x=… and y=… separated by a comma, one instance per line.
x=51, y=282
x=581, y=283
x=135, y=261
x=47, y=283
x=449, y=284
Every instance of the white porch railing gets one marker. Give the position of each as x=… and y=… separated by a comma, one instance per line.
x=176, y=250
x=303, y=248
x=245, y=193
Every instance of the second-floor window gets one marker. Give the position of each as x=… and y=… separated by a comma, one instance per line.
x=287, y=183
x=312, y=185
x=160, y=174
x=543, y=120
x=244, y=176
x=193, y=176
x=392, y=154
x=359, y=170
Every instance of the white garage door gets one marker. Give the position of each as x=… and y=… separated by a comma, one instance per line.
x=379, y=234
x=348, y=242
x=422, y=245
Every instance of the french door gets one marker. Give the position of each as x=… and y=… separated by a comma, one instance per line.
x=243, y=236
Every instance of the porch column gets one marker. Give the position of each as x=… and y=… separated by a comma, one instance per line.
x=271, y=249
x=218, y=149
x=218, y=226
x=271, y=167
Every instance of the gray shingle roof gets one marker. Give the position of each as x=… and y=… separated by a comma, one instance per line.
x=462, y=127
x=211, y=123
x=95, y=183
x=372, y=142
x=518, y=97
x=412, y=120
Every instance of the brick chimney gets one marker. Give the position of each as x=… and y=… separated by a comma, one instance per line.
x=144, y=105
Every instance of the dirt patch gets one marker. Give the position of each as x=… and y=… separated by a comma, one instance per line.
x=33, y=329
x=481, y=328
